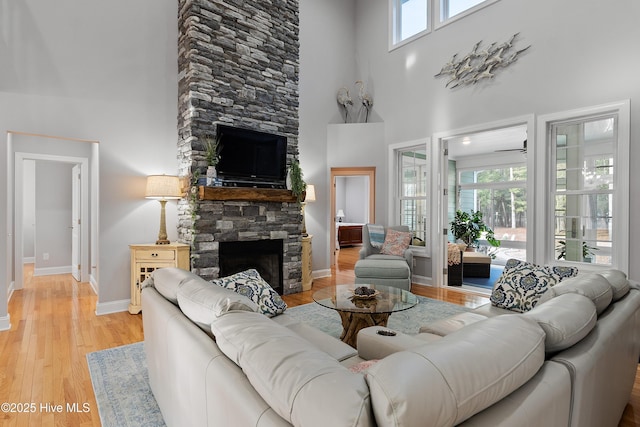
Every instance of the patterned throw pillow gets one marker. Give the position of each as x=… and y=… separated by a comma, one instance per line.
x=250, y=284
x=521, y=284
x=396, y=242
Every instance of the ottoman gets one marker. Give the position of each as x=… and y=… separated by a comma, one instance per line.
x=387, y=272
x=476, y=264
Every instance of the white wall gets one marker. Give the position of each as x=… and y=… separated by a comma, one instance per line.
x=582, y=54
x=356, y=203
x=327, y=62
x=104, y=71
x=361, y=145
x=352, y=196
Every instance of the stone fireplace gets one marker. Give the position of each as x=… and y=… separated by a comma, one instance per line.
x=237, y=65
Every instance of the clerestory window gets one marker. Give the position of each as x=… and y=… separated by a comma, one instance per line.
x=409, y=20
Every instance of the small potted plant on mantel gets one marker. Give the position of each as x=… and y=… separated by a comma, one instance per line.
x=296, y=182
x=212, y=156
x=468, y=227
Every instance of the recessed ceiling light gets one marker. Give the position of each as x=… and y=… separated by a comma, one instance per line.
x=466, y=140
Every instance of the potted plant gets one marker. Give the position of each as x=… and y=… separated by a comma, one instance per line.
x=469, y=227
x=587, y=251
x=212, y=156
x=297, y=184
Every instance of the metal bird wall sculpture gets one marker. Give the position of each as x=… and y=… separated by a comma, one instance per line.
x=480, y=65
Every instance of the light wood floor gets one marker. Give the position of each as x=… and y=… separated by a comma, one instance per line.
x=54, y=326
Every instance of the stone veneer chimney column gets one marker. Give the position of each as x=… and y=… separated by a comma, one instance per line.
x=238, y=65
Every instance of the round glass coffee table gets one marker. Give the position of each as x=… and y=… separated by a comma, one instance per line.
x=357, y=313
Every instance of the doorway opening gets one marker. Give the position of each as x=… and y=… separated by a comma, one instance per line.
x=54, y=222
x=487, y=169
x=353, y=192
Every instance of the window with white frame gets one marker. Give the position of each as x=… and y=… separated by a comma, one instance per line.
x=453, y=9
x=584, y=189
x=409, y=19
x=500, y=194
x=413, y=181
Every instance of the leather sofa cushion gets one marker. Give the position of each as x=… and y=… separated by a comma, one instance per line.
x=167, y=281
x=303, y=384
x=330, y=345
x=451, y=324
x=618, y=281
x=593, y=286
x=490, y=310
x=202, y=301
x=458, y=375
x=565, y=320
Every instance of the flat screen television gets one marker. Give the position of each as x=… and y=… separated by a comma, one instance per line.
x=250, y=158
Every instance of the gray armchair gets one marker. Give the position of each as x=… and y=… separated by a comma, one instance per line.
x=369, y=252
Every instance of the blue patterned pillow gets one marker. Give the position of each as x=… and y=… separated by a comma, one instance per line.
x=250, y=284
x=521, y=284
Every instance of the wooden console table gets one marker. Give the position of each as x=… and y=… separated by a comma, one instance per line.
x=146, y=258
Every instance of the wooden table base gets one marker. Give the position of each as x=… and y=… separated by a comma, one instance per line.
x=353, y=322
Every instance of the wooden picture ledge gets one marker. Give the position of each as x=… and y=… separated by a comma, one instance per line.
x=245, y=194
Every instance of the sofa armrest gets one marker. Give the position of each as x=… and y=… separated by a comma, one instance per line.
x=365, y=252
x=408, y=256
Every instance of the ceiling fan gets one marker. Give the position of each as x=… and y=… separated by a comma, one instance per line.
x=522, y=150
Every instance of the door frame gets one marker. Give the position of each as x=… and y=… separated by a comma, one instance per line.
x=368, y=171
x=20, y=157
x=77, y=198
x=440, y=179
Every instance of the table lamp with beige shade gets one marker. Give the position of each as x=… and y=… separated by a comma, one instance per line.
x=310, y=197
x=163, y=188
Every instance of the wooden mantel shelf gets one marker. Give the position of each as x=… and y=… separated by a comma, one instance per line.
x=245, y=194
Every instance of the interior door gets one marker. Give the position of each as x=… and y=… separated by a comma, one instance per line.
x=76, y=233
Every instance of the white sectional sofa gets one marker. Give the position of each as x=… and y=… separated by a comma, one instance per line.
x=214, y=361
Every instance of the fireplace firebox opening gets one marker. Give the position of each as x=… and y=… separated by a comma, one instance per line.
x=266, y=256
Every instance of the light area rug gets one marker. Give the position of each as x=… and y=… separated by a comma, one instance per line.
x=121, y=381
x=121, y=385
x=407, y=321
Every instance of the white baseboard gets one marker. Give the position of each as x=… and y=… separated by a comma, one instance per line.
x=93, y=283
x=28, y=260
x=47, y=271
x=112, y=307
x=316, y=274
x=5, y=323
x=12, y=287
x=421, y=280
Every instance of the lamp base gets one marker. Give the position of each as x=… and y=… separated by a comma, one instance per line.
x=162, y=242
